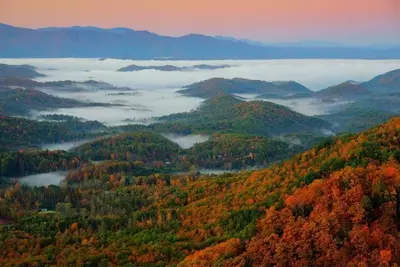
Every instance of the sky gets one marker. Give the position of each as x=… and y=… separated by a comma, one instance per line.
x=343, y=21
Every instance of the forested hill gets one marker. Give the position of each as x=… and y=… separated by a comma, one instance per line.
x=21, y=101
x=336, y=204
x=143, y=146
x=23, y=71
x=383, y=84
x=353, y=119
x=386, y=83
x=227, y=113
x=20, y=133
x=215, y=86
x=222, y=151
x=344, y=91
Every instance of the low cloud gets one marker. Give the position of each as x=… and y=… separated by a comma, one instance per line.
x=315, y=74
x=187, y=141
x=157, y=90
x=45, y=179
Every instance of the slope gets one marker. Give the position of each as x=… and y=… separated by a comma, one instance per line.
x=20, y=101
x=215, y=86
x=19, y=133
x=143, y=146
x=386, y=83
x=336, y=204
x=353, y=119
x=343, y=91
x=227, y=113
x=22, y=71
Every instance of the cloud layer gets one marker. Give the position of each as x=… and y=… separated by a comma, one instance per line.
x=156, y=89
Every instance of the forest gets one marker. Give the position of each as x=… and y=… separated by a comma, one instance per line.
x=336, y=203
x=20, y=133
x=227, y=113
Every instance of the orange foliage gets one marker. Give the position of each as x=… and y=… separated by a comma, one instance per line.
x=210, y=255
x=345, y=222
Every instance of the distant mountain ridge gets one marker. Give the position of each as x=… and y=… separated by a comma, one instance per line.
x=93, y=42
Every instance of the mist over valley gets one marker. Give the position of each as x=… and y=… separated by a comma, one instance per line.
x=147, y=94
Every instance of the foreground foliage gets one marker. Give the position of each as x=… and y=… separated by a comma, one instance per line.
x=336, y=204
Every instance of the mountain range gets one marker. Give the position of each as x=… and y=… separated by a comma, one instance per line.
x=93, y=42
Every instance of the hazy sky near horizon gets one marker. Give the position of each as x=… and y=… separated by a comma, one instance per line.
x=346, y=21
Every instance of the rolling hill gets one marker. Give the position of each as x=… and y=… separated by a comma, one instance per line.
x=353, y=119
x=20, y=133
x=386, y=83
x=143, y=146
x=22, y=71
x=18, y=82
x=343, y=91
x=215, y=86
x=66, y=86
x=20, y=101
x=236, y=151
x=227, y=113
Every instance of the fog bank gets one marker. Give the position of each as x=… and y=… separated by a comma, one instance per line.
x=313, y=73
x=64, y=146
x=187, y=141
x=44, y=179
x=155, y=91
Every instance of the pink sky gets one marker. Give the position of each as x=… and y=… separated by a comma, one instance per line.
x=353, y=21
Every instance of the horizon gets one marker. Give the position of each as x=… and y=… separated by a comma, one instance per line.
x=304, y=42
x=359, y=23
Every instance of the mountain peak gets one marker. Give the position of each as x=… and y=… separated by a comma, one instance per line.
x=222, y=99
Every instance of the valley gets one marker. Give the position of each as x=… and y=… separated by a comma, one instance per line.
x=195, y=166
